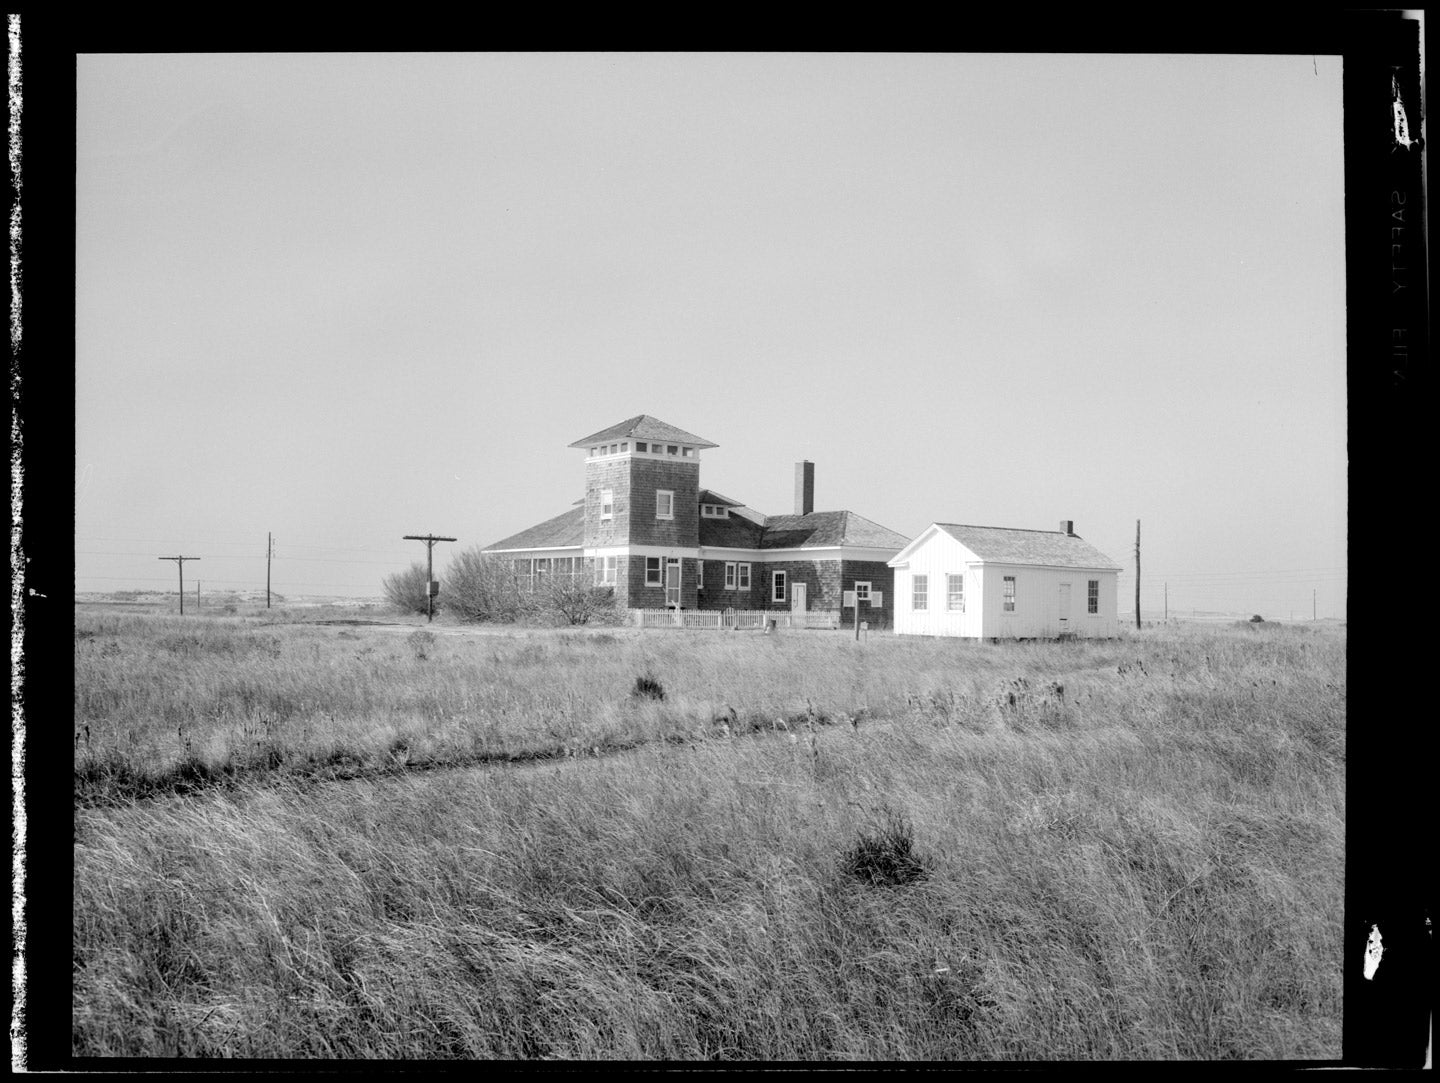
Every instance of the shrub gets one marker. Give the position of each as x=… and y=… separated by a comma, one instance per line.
x=1257, y=619
x=406, y=590
x=481, y=587
x=578, y=602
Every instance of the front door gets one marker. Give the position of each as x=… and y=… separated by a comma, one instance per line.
x=797, y=597
x=672, y=583
x=1064, y=608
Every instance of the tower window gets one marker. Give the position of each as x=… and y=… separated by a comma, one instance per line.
x=607, y=503
x=640, y=445
x=665, y=504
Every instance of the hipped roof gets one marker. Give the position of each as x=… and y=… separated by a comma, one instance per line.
x=644, y=427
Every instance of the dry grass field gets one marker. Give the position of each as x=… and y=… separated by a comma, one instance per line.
x=301, y=839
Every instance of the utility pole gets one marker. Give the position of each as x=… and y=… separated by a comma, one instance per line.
x=429, y=540
x=269, y=552
x=181, y=562
x=1137, y=574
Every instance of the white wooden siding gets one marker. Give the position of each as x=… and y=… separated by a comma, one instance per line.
x=1037, y=596
x=940, y=556
x=1037, y=602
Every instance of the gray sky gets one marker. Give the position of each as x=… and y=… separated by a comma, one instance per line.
x=346, y=298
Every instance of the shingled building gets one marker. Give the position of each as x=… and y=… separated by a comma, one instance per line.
x=648, y=528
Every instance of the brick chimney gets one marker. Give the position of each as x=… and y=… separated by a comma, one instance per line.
x=1067, y=526
x=804, y=487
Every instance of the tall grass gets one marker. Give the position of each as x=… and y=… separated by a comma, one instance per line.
x=1110, y=850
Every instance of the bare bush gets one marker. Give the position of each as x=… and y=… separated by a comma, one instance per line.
x=481, y=586
x=576, y=601
x=406, y=590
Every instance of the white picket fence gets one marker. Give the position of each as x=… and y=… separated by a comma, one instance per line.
x=726, y=619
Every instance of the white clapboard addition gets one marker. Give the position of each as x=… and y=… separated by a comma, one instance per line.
x=988, y=582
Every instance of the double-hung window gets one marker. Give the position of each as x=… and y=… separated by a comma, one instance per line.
x=1092, y=601
x=729, y=575
x=862, y=593
x=743, y=572
x=664, y=504
x=920, y=592
x=1009, y=594
x=652, y=572
x=605, y=570
x=607, y=504
x=955, y=591
x=777, y=586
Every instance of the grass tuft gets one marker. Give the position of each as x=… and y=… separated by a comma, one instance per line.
x=883, y=855
x=647, y=687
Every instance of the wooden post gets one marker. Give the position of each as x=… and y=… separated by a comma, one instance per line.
x=429, y=540
x=1137, y=574
x=180, y=562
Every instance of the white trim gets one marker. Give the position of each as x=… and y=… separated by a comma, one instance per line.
x=817, y=552
x=542, y=549
x=678, y=457
x=950, y=594
x=1045, y=567
x=779, y=582
x=642, y=551
x=902, y=558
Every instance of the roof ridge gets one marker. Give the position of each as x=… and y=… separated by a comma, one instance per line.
x=1029, y=529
